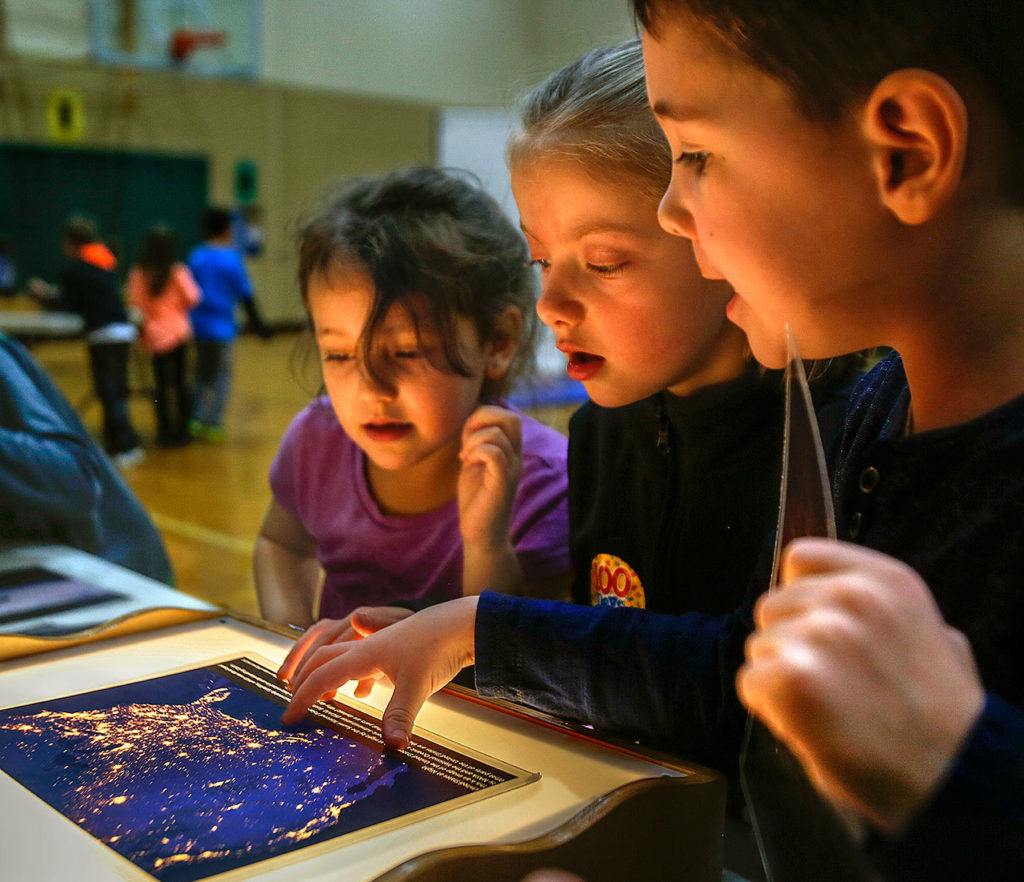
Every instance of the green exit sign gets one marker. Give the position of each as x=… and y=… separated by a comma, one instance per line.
x=246, y=181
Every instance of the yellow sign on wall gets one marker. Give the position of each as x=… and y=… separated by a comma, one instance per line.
x=65, y=115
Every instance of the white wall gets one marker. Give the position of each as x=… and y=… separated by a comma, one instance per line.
x=474, y=138
x=437, y=51
x=48, y=28
x=561, y=30
x=450, y=52
x=445, y=52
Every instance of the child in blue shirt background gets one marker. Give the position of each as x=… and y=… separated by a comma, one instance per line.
x=219, y=271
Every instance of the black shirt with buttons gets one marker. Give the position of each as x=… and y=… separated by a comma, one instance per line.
x=948, y=502
x=685, y=489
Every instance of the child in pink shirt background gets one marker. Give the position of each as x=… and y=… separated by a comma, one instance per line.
x=163, y=290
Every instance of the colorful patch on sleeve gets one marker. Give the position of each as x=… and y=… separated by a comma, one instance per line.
x=613, y=582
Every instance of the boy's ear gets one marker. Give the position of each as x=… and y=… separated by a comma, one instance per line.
x=916, y=126
x=508, y=331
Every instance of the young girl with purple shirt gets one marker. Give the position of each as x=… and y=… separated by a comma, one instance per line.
x=421, y=299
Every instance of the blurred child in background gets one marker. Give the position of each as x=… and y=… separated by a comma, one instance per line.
x=217, y=267
x=8, y=269
x=87, y=286
x=163, y=290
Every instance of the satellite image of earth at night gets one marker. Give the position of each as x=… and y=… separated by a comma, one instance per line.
x=189, y=775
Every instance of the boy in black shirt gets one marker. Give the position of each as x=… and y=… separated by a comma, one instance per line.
x=87, y=286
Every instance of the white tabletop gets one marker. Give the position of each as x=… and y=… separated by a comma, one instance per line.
x=29, y=323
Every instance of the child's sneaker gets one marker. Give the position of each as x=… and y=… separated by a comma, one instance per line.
x=128, y=458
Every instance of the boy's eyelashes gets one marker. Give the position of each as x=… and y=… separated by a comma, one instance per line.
x=540, y=262
x=698, y=159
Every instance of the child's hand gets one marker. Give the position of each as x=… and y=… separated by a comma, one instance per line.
x=357, y=624
x=854, y=668
x=491, y=458
x=419, y=655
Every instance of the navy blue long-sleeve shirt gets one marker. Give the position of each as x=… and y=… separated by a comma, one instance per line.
x=950, y=503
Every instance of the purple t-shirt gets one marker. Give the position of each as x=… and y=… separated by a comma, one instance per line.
x=370, y=558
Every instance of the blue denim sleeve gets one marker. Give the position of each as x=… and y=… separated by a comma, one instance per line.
x=48, y=469
x=973, y=828
x=668, y=680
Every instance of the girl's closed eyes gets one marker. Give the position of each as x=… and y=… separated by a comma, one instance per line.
x=608, y=270
x=337, y=357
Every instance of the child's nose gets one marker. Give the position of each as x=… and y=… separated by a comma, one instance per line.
x=673, y=215
x=557, y=306
x=375, y=386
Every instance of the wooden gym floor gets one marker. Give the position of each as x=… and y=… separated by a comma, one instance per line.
x=208, y=499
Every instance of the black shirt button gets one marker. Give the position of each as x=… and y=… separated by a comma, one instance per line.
x=869, y=479
x=853, y=531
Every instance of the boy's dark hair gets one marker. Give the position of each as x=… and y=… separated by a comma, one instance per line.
x=429, y=233
x=215, y=222
x=157, y=256
x=79, y=231
x=833, y=52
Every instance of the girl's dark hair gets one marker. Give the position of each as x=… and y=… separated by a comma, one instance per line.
x=157, y=256
x=432, y=234
x=833, y=52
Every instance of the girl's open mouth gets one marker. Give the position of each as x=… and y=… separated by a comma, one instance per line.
x=383, y=432
x=583, y=365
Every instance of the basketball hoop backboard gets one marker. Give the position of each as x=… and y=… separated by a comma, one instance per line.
x=219, y=38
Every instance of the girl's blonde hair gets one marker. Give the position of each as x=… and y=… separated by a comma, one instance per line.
x=595, y=111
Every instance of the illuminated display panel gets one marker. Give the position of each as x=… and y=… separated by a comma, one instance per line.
x=190, y=775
